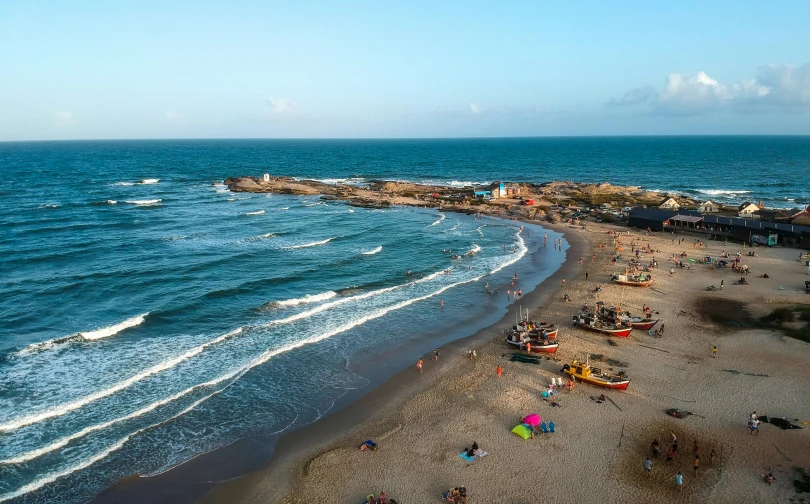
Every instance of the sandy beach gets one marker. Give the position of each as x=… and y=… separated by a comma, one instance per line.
x=423, y=421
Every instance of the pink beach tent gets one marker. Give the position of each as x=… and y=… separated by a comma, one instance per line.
x=532, y=419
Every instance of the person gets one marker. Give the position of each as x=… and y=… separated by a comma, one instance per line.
x=419, y=365
x=679, y=481
x=661, y=330
x=371, y=500
x=441, y=303
x=769, y=478
x=499, y=370
x=648, y=467
x=712, y=456
x=570, y=383
x=755, y=427
x=529, y=346
x=714, y=352
x=470, y=452
x=580, y=261
x=655, y=449
x=722, y=282
x=586, y=275
x=470, y=353
x=383, y=498
x=436, y=354
x=563, y=282
x=695, y=448
x=670, y=455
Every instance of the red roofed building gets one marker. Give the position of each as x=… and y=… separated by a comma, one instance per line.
x=802, y=218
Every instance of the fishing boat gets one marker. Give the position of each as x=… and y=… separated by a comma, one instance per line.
x=640, y=280
x=536, y=330
x=534, y=345
x=590, y=322
x=587, y=374
x=617, y=316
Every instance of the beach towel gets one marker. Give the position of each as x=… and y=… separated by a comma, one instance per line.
x=465, y=457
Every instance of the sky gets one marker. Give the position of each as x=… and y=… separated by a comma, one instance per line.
x=384, y=69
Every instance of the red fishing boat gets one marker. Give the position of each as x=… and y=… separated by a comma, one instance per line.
x=534, y=346
x=590, y=322
x=615, y=315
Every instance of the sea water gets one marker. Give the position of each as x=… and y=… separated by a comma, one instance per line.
x=149, y=314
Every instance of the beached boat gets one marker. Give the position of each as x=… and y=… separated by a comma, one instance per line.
x=536, y=346
x=589, y=322
x=640, y=280
x=537, y=330
x=642, y=324
x=587, y=374
x=615, y=315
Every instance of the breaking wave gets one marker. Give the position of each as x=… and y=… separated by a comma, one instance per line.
x=307, y=245
x=104, y=332
x=440, y=219
x=144, y=202
x=257, y=212
x=374, y=251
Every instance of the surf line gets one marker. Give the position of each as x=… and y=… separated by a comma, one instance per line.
x=63, y=409
x=441, y=218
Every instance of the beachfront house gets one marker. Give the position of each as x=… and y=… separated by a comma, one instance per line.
x=482, y=194
x=707, y=207
x=670, y=204
x=747, y=210
x=801, y=218
x=496, y=189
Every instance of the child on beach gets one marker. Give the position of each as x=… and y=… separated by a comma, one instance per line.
x=419, y=365
x=679, y=482
x=499, y=370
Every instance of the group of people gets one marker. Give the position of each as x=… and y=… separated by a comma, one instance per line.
x=670, y=456
x=455, y=496
x=382, y=499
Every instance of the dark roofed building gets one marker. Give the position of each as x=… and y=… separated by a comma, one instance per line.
x=652, y=218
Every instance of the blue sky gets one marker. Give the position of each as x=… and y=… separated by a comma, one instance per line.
x=76, y=70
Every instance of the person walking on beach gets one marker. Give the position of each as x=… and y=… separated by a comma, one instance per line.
x=712, y=456
x=655, y=448
x=436, y=354
x=670, y=455
x=593, y=259
x=721, y=284
x=714, y=352
x=470, y=353
x=586, y=276
x=499, y=370
x=580, y=261
x=696, y=465
x=648, y=467
x=679, y=482
x=563, y=282
x=419, y=365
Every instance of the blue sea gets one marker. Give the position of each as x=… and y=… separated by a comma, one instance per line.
x=149, y=315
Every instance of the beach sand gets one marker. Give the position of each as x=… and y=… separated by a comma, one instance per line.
x=423, y=421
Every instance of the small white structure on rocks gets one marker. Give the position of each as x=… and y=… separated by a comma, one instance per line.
x=670, y=204
x=267, y=177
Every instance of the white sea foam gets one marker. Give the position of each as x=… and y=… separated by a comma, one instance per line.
x=145, y=202
x=104, y=332
x=265, y=236
x=440, y=219
x=451, y=229
x=307, y=245
x=50, y=478
x=125, y=183
x=48, y=205
x=351, y=210
x=720, y=192
x=374, y=251
x=62, y=409
x=150, y=181
x=112, y=201
x=285, y=208
x=308, y=299
x=257, y=212
x=479, y=228
x=474, y=250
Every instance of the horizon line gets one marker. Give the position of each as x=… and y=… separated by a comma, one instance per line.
x=176, y=139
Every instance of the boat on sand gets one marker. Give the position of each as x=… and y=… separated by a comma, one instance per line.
x=640, y=280
x=584, y=372
x=589, y=322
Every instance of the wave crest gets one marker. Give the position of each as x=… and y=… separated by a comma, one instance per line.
x=307, y=245
x=374, y=251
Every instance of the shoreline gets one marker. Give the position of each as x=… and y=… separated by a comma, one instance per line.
x=200, y=478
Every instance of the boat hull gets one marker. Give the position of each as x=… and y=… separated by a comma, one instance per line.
x=621, y=332
x=537, y=347
x=633, y=284
x=613, y=385
x=644, y=326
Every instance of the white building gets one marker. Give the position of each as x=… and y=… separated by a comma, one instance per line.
x=707, y=207
x=670, y=204
x=747, y=209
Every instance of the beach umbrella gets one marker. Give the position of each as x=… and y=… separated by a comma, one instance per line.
x=523, y=431
x=532, y=419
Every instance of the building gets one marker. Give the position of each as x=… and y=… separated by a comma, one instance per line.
x=747, y=209
x=650, y=218
x=707, y=207
x=801, y=218
x=482, y=194
x=266, y=177
x=496, y=189
x=670, y=204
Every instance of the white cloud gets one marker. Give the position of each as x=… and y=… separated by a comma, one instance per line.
x=64, y=116
x=282, y=106
x=782, y=87
x=474, y=108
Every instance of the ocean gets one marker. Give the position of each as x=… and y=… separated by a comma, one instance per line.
x=150, y=315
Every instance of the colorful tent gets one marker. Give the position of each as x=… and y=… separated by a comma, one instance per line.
x=523, y=431
x=532, y=419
